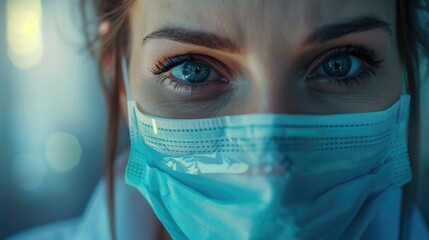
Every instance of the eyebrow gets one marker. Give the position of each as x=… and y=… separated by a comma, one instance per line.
x=318, y=36
x=355, y=25
x=200, y=38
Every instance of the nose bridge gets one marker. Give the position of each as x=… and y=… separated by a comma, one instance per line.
x=272, y=100
x=271, y=86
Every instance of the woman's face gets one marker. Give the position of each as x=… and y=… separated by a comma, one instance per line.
x=205, y=58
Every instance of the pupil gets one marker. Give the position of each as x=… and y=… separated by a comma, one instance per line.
x=338, y=66
x=195, y=72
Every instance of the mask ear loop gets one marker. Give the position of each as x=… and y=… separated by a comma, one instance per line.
x=125, y=77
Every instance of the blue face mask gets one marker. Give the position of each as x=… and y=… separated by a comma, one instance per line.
x=268, y=176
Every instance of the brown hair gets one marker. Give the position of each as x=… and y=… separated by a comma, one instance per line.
x=411, y=36
x=107, y=50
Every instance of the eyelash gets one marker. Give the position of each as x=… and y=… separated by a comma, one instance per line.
x=170, y=62
x=371, y=64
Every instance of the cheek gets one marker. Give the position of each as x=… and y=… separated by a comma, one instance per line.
x=389, y=86
x=395, y=77
x=393, y=84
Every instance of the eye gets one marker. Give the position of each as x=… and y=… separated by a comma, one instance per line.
x=340, y=67
x=349, y=66
x=192, y=74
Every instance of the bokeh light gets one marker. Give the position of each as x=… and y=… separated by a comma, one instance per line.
x=28, y=171
x=24, y=32
x=63, y=151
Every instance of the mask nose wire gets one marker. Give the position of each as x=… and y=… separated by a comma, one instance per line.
x=125, y=77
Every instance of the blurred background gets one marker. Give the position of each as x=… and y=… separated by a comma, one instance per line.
x=52, y=116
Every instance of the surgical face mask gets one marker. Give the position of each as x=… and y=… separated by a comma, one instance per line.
x=268, y=176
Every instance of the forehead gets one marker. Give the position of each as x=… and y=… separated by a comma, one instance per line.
x=248, y=21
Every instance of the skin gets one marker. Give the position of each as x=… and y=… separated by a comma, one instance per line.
x=269, y=71
x=274, y=60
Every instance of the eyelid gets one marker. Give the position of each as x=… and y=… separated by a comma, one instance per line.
x=367, y=55
x=216, y=64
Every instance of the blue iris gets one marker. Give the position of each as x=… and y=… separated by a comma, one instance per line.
x=338, y=66
x=192, y=72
